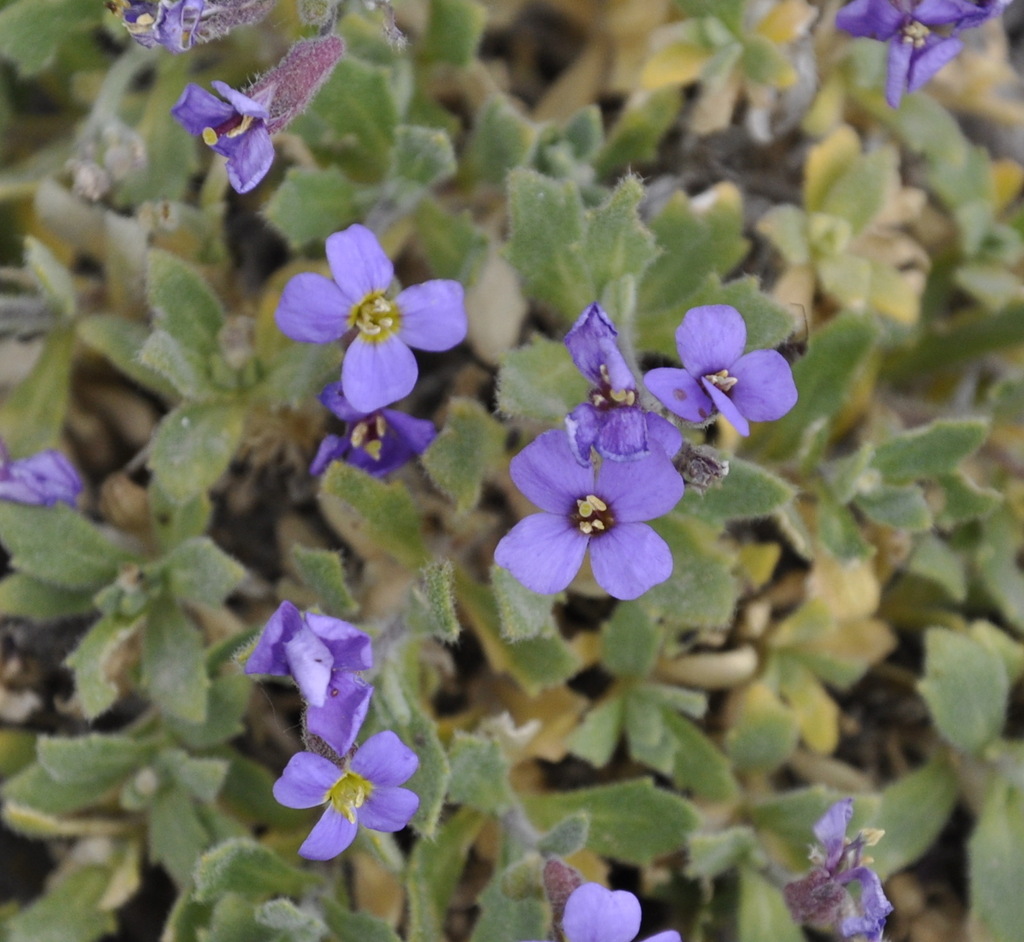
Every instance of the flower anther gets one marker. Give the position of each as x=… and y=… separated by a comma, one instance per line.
x=348, y=793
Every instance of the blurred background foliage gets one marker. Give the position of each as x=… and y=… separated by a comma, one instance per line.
x=846, y=611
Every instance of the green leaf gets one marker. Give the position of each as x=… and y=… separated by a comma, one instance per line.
x=503, y=138
x=193, y=446
x=121, y=341
x=479, y=774
x=31, y=32
x=763, y=916
x=836, y=355
x=764, y=734
x=931, y=450
x=94, y=762
x=596, y=738
x=240, y=865
x=323, y=572
x=173, y=662
x=227, y=700
x=539, y=381
x=184, y=304
x=29, y=597
x=385, y=509
x=901, y=506
x=566, y=837
x=711, y=855
x=290, y=923
x=632, y=822
x=469, y=446
x=635, y=136
x=966, y=688
x=748, y=490
x=32, y=416
x=177, y=834
x=453, y=31
x=914, y=810
x=199, y=571
x=503, y=919
x=997, y=569
x=297, y=373
x=996, y=858
x=311, y=204
x=699, y=765
x=69, y=911
x=187, y=371
x=859, y=193
x=631, y=640
x=432, y=606
x=421, y=158
x=361, y=926
x=92, y=660
x=58, y=545
x=524, y=613
x=453, y=245
x=53, y=278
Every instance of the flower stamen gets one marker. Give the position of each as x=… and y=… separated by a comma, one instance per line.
x=592, y=515
x=348, y=793
x=914, y=34
x=722, y=380
x=375, y=317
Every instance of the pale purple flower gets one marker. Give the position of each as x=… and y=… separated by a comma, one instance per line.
x=44, y=479
x=321, y=654
x=581, y=509
x=596, y=914
x=611, y=421
x=718, y=377
x=364, y=791
x=236, y=128
x=171, y=25
x=916, y=50
x=379, y=368
x=976, y=12
x=821, y=897
x=378, y=442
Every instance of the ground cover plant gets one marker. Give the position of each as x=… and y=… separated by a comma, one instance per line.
x=510, y=471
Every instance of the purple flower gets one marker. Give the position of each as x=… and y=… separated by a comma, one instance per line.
x=174, y=26
x=611, y=421
x=916, y=51
x=320, y=653
x=821, y=897
x=44, y=479
x=718, y=376
x=604, y=511
x=240, y=127
x=378, y=442
x=595, y=914
x=379, y=368
x=236, y=129
x=976, y=12
x=364, y=792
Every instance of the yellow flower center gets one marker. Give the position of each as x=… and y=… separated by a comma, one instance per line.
x=348, y=793
x=914, y=34
x=368, y=433
x=212, y=135
x=722, y=380
x=375, y=317
x=605, y=397
x=592, y=515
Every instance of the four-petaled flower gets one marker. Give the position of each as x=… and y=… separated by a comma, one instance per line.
x=916, y=50
x=718, y=376
x=320, y=653
x=596, y=914
x=44, y=479
x=580, y=509
x=611, y=421
x=821, y=897
x=379, y=368
x=235, y=128
x=378, y=442
x=364, y=791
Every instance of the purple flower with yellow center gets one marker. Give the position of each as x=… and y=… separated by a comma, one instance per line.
x=378, y=442
x=321, y=654
x=43, y=479
x=916, y=50
x=236, y=128
x=171, y=25
x=821, y=898
x=379, y=367
x=718, y=377
x=603, y=511
x=363, y=791
x=596, y=914
x=611, y=421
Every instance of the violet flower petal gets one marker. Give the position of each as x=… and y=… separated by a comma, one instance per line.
x=623, y=435
x=592, y=343
x=639, y=490
x=830, y=830
x=595, y=914
x=311, y=310
x=877, y=19
x=669, y=935
x=680, y=393
x=330, y=836
x=197, y=109
x=359, y=266
x=898, y=72
x=351, y=649
x=309, y=662
x=376, y=373
x=548, y=474
x=332, y=448
x=931, y=59
x=416, y=435
x=727, y=407
x=710, y=338
x=629, y=559
x=873, y=902
x=240, y=102
x=338, y=721
x=268, y=656
x=305, y=781
x=764, y=390
x=664, y=434
x=433, y=315
x=388, y=809
x=333, y=397
x=385, y=760
x=543, y=551
x=250, y=156
x=42, y=479
x=937, y=12
x=582, y=426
